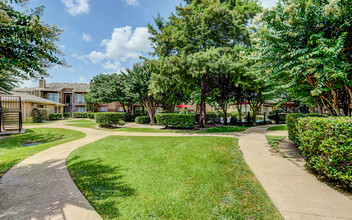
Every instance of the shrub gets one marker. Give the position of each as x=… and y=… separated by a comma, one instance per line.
x=66, y=115
x=28, y=120
x=142, y=120
x=233, y=120
x=291, y=120
x=55, y=116
x=107, y=119
x=213, y=117
x=282, y=116
x=91, y=115
x=40, y=114
x=326, y=144
x=80, y=115
x=176, y=120
x=130, y=118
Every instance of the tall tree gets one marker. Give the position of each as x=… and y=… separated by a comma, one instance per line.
x=137, y=84
x=203, y=34
x=27, y=44
x=306, y=48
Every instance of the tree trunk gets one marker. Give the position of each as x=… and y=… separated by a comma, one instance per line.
x=202, y=118
x=224, y=110
x=150, y=105
x=123, y=106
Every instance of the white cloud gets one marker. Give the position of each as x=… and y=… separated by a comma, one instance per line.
x=81, y=79
x=28, y=84
x=132, y=2
x=86, y=37
x=76, y=7
x=125, y=45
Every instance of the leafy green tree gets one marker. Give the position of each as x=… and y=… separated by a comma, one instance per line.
x=137, y=84
x=203, y=35
x=92, y=104
x=305, y=47
x=27, y=44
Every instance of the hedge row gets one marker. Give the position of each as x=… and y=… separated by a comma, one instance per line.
x=142, y=120
x=40, y=114
x=107, y=119
x=176, y=120
x=55, y=116
x=291, y=120
x=80, y=115
x=326, y=144
x=66, y=115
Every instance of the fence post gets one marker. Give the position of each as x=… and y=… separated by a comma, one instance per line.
x=277, y=117
x=249, y=119
x=264, y=119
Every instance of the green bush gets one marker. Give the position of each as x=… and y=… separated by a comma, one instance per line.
x=130, y=118
x=66, y=115
x=142, y=120
x=176, y=120
x=282, y=116
x=213, y=117
x=91, y=115
x=107, y=119
x=291, y=120
x=40, y=114
x=55, y=116
x=326, y=144
x=28, y=120
x=80, y=115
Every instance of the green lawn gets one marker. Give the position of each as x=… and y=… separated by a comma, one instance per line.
x=169, y=178
x=278, y=128
x=274, y=141
x=11, y=151
x=225, y=129
x=42, y=123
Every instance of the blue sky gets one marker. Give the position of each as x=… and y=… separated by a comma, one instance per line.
x=102, y=36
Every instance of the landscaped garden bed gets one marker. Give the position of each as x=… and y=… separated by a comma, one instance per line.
x=170, y=178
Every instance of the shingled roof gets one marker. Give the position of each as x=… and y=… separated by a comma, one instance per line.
x=55, y=87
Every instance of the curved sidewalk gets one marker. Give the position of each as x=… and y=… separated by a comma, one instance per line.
x=295, y=192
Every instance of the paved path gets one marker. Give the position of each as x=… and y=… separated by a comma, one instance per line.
x=295, y=192
x=40, y=187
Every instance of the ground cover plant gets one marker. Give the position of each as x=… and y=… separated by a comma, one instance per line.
x=11, y=151
x=278, y=128
x=169, y=177
x=274, y=142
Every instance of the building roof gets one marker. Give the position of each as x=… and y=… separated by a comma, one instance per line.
x=32, y=98
x=56, y=87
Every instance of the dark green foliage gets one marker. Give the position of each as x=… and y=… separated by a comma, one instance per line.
x=142, y=120
x=107, y=119
x=233, y=120
x=80, y=115
x=91, y=115
x=326, y=144
x=213, y=117
x=40, y=114
x=55, y=116
x=130, y=118
x=282, y=116
x=291, y=120
x=176, y=120
x=66, y=115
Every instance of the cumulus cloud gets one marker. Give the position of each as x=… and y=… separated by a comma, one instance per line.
x=268, y=3
x=81, y=79
x=132, y=2
x=76, y=7
x=86, y=37
x=125, y=45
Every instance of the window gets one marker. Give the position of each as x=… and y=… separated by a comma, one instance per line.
x=120, y=109
x=53, y=97
x=80, y=109
x=102, y=109
x=79, y=98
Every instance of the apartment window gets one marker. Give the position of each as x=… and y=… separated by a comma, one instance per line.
x=79, y=98
x=53, y=97
x=102, y=109
x=80, y=109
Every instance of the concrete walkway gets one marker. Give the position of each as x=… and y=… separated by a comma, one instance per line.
x=40, y=187
x=296, y=193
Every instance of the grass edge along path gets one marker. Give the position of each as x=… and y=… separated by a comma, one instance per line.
x=278, y=128
x=169, y=177
x=11, y=151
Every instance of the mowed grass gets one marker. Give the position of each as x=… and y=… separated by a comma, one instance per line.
x=278, y=128
x=225, y=129
x=169, y=178
x=11, y=151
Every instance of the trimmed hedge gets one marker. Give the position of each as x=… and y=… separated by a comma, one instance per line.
x=291, y=120
x=142, y=120
x=91, y=115
x=66, y=115
x=176, y=120
x=326, y=144
x=107, y=119
x=40, y=114
x=55, y=116
x=80, y=115
x=282, y=116
x=130, y=118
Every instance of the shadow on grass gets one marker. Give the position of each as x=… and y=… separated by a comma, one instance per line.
x=101, y=184
x=18, y=140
